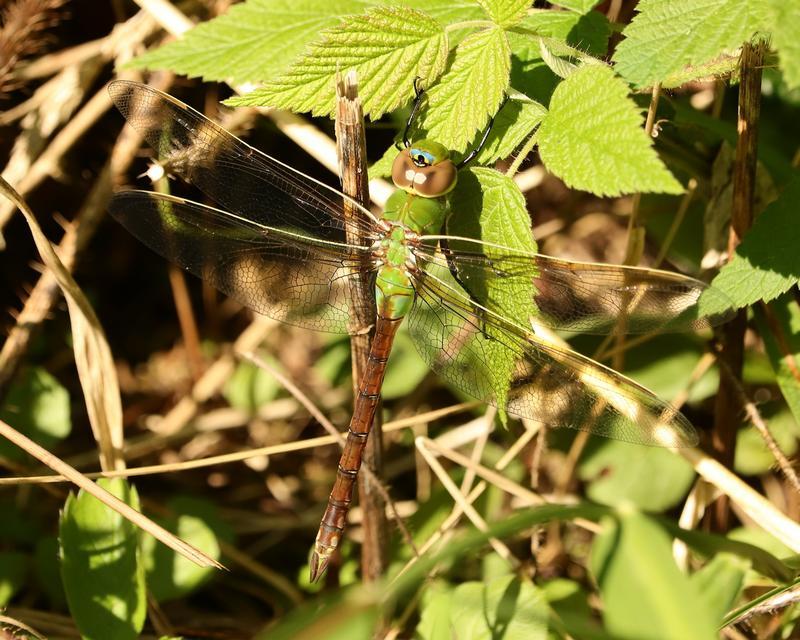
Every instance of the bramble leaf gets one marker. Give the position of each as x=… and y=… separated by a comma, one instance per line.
x=487, y=205
x=580, y=6
x=505, y=12
x=785, y=28
x=665, y=37
x=253, y=42
x=470, y=91
x=592, y=138
x=779, y=327
x=512, y=125
x=765, y=263
x=388, y=47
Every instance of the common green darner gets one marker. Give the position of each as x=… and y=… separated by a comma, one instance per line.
x=280, y=246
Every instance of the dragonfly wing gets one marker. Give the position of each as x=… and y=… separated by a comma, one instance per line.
x=277, y=273
x=235, y=175
x=485, y=355
x=582, y=296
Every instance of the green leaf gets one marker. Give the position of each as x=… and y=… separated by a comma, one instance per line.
x=38, y=406
x=488, y=206
x=668, y=35
x=752, y=456
x=529, y=74
x=170, y=575
x=765, y=263
x=592, y=138
x=651, y=478
x=562, y=67
x=644, y=594
x=253, y=42
x=343, y=615
x=512, y=126
x=779, y=327
x=588, y=33
x=581, y=6
x=13, y=571
x=405, y=369
x=389, y=47
x=100, y=566
x=250, y=387
x=471, y=89
x=505, y=12
x=435, y=613
x=785, y=28
x=505, y=607
x=720, y=582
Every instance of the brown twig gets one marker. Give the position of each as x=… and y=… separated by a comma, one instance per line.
x=352, y=151
x=761, y=426
x=727, y=409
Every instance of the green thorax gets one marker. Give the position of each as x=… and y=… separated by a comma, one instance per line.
x=420, y=214
x=424, y=175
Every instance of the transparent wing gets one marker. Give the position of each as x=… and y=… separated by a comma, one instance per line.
x=582, y=296
x=481, y=353
x=276, y=272
x=235, y=175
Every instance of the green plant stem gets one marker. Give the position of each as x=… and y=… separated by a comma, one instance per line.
x=523, y=153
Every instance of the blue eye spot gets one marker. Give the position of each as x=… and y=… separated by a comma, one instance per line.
x=421, y=157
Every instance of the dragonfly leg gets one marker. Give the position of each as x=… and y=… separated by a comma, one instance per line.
x=418, y=93
x=444, y=245
x=471, y=155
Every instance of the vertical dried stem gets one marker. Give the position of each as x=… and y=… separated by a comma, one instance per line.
x=351, y=144
x=728, y=410
x=635, y=240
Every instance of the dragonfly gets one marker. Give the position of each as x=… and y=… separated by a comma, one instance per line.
x=292, y=248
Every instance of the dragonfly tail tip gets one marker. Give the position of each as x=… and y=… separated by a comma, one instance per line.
x=318, y=566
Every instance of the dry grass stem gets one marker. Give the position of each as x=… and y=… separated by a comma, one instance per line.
x=463, y=502
x=93, y=359
x=110, y=500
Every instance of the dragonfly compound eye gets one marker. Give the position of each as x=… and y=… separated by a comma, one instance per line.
x=426, y=180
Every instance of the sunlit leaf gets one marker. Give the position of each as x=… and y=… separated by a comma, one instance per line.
x=436, y=609
x=505, y=12
x=471, y=89
x=666, y=36
x=785, y=29
x=753, y=456
x=652, y=478
x=644, y=593
x=100, y=565
x=488, y=206
x=592, y=138
x=779, y=327
x=388, y=47
x=37, y=405
x=253, y=42
x=765, y=265
x=581, y=6
x=480, y=610
x=720, y=582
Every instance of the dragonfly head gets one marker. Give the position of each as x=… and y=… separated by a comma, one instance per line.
x=425, y=169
